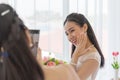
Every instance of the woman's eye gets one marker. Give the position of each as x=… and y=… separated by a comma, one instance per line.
x=66, y=34
x=72, y=30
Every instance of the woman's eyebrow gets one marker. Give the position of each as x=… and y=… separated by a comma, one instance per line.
x=68, y=30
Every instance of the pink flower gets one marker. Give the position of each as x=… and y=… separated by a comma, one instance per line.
x=115, y=63
x=115, y=53
x=50, y=63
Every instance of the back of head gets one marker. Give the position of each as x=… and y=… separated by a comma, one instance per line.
x=6, y=19
x=16, y=59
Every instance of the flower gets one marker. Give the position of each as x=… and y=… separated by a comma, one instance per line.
x=48, y=61
x=115, y=63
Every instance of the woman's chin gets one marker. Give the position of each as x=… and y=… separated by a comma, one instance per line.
x=74, y=44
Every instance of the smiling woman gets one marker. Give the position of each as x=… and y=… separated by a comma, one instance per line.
x=86, y=55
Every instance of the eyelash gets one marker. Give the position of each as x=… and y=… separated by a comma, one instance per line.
x=66, y=34
x=70, y=32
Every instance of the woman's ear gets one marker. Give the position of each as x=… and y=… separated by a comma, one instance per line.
x=85, y=27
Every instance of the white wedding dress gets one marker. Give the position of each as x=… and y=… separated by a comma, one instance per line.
x=85, y=57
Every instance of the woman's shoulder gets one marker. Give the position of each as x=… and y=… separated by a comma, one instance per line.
x=71, y=72
x=92, y=55
x=62, y=71
x=54, y=73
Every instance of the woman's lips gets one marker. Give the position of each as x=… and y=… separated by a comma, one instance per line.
x=74, y=42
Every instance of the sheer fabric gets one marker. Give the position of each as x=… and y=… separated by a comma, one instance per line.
x=85, y=57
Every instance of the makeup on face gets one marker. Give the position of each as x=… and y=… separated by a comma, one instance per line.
x=73, y=31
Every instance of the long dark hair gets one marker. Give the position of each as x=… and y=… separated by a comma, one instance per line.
x=81, y=20
x=16, y=59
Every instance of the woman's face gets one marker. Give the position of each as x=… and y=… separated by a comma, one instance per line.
x=73, y=31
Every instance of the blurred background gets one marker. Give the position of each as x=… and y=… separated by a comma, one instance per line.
x=48, y=16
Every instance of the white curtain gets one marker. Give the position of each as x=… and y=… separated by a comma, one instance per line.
x=113, y=26
x=104, y=16
x=48, y=16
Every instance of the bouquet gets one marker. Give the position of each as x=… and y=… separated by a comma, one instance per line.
x=49, y=61
x=115, y=63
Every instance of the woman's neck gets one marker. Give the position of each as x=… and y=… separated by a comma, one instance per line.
x=88, y=44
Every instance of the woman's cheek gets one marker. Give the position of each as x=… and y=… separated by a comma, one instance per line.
x=74, y=34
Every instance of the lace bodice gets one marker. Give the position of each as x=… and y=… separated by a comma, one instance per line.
x=85, y=57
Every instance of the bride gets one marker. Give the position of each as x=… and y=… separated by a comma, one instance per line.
x=86, y=55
